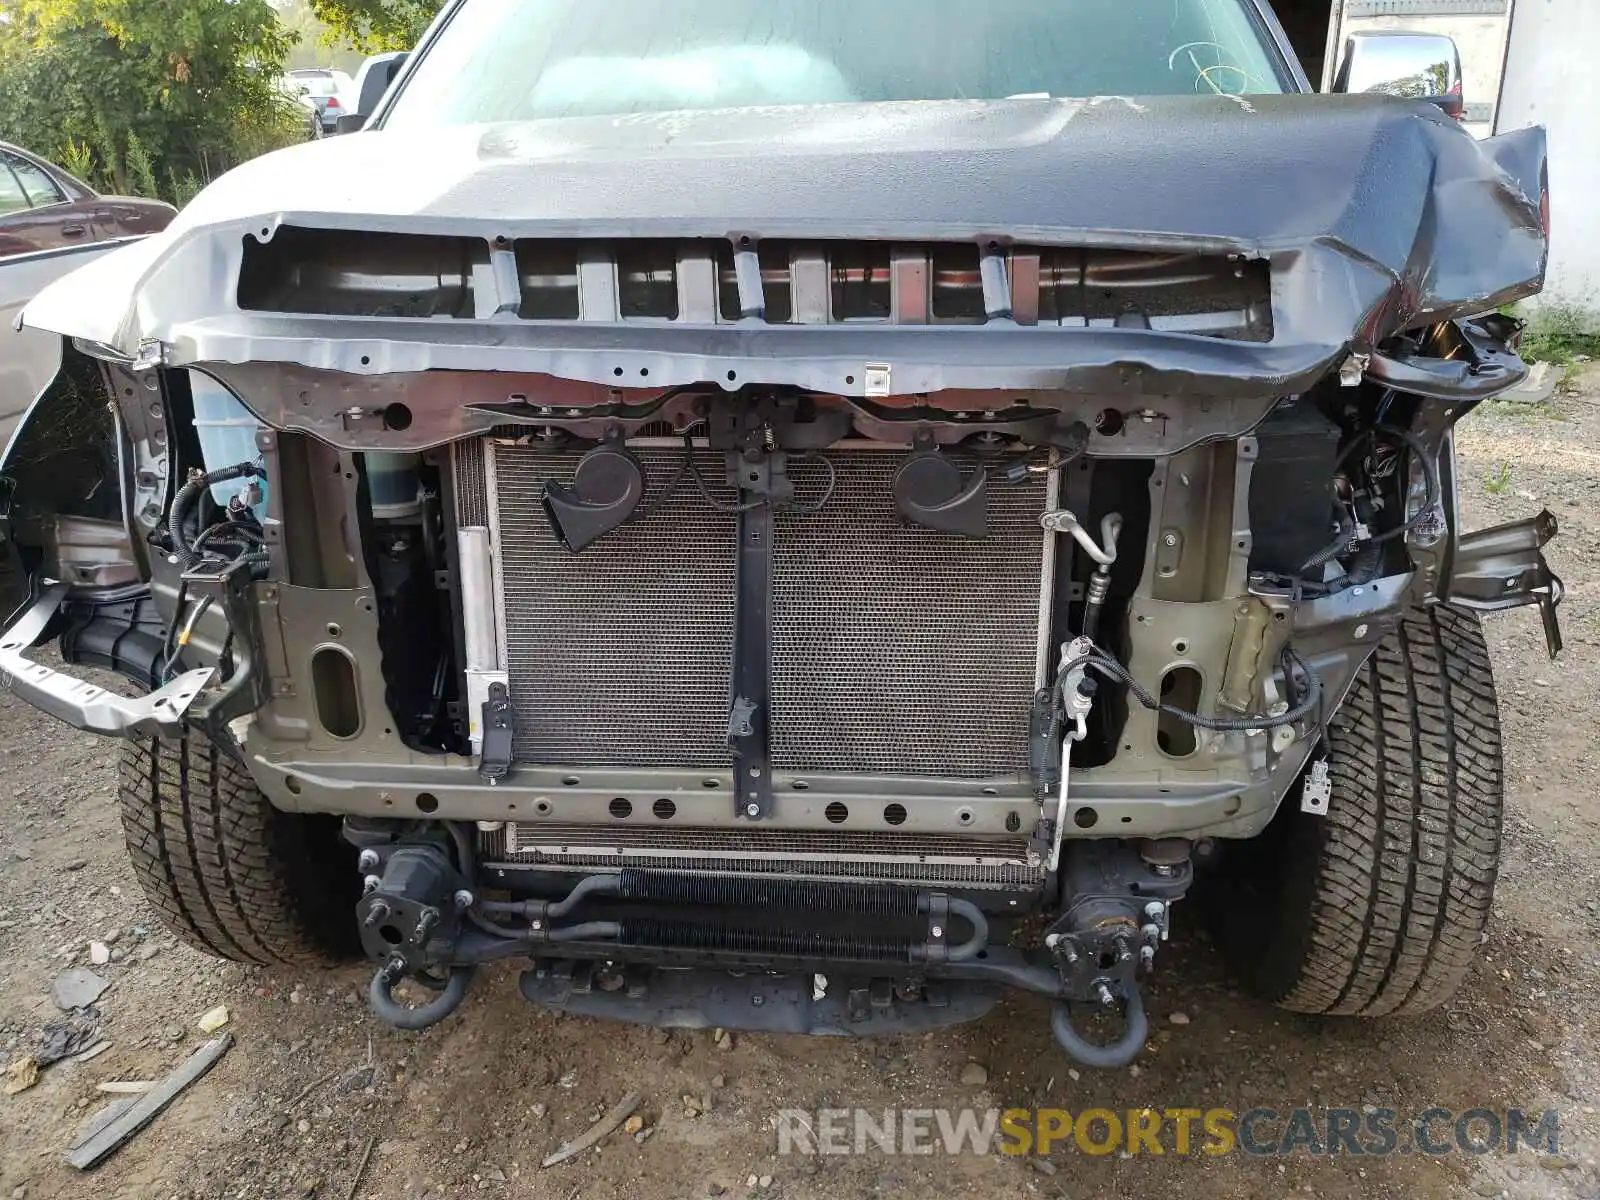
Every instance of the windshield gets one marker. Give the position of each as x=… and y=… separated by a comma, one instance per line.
x=510, y=60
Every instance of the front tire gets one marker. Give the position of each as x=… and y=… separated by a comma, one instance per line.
x=1379, y=908
x=228, y=873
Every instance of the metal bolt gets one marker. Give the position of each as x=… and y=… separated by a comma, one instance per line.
x=464, y=899
x=937, y=931
x=369, y=884
x=1155, y=910
x=1164, y=870
x=1103, y=994
x=1147, y=957
x=1361, y=631
x=752, y=809
x=367, y=862
x=1052, y=940
x=1512, y=581
x=1170, y=539
x=758, y=1000
x=376, y=913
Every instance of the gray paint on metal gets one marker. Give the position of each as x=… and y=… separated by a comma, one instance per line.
x=1378, y=215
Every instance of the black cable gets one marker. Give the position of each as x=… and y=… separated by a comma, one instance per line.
x=188, y=497
x=1430, y=472
x=178, y=646
x=704, y=489
x=827, y=491
x=1109, y=667
x=167, y=650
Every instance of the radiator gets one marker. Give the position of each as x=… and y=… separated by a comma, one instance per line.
x=895, y=649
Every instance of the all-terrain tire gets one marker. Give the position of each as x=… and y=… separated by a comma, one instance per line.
x=1380, y=906
x=228, y=873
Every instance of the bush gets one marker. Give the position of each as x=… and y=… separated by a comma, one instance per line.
x=137, y=96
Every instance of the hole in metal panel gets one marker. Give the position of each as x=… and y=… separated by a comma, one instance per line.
x=647, y=279
x=837, y=813
x=1180, y=687
x=333, y=686
x=664, y=809
x=620, y=807
x=547, y=278
x=1108, y=422
x=1085, y=818
x=894, y=814
x=427, y=802
x=343, y=272
x=858, y=277
x=957, y=284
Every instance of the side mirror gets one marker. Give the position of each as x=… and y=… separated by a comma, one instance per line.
x=377, y=73
x=1417, y=66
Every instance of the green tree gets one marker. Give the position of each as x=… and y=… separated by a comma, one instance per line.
x=312, y=43
x=373, y=26
x=137, y=92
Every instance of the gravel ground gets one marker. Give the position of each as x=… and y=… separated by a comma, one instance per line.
x=314, y=1081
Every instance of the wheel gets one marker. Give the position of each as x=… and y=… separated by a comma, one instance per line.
x=228, y=873
x=1380, y=906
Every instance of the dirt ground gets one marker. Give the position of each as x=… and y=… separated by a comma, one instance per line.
x=314, y=1082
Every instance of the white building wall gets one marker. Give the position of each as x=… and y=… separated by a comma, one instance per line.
x=1552, y=78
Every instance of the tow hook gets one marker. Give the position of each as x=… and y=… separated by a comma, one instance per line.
x=409, y=918
x=1108, y=936
x=1112, y=1054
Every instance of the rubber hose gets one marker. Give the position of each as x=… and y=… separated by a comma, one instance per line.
x=402, y=1016
x=1116, y=1054
x=972, y=915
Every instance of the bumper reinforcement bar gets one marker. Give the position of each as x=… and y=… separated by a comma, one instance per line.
x=79, y=703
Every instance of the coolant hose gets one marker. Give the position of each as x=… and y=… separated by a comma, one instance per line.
x=402, y=1016
x=972, y=915
x=1114, y=1054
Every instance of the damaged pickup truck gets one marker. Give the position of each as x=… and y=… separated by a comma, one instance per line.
x=805, y=515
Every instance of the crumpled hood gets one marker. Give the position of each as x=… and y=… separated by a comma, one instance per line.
x=1377, y=215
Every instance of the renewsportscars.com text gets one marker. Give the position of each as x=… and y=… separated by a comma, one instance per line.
x=1366, y=1131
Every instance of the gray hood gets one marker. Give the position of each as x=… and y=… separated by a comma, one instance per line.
x=1377, y=216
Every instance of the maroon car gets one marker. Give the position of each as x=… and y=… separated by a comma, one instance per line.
x=42, y=207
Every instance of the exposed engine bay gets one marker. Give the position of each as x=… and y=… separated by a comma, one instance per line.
x=807, y=632
x=642, y=684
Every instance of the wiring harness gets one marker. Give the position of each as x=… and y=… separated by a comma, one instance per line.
x=1304, y=693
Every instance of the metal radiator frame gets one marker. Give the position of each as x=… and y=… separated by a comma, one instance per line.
x=1003, y=765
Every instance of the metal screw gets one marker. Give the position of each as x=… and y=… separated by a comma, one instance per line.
x=752, y=809
x=1164, y=870
x=1512, y=581
x=536, y=925
x=1170, y=539
x=463, y=899
x=937, y=931
x=1361, y=631
x=1052, y=940
x=758, y=1000
x=367, y=862
x=1103, y=994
